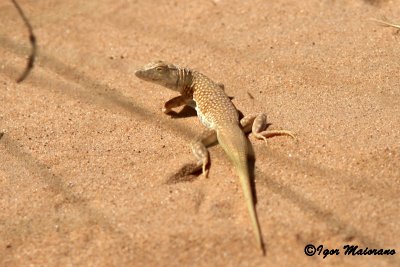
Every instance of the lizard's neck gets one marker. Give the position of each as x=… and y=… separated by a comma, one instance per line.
x=184, y=81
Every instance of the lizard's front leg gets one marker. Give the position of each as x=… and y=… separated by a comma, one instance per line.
x=181, y=100
x=177, y=102
x=257, y=125
x=199, y=148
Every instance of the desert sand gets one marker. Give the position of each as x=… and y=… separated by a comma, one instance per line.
x=86, y=155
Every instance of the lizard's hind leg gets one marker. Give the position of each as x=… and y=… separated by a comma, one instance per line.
x=257, y=124
x=199, y=148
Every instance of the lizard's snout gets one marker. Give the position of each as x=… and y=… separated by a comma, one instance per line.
x=143, y=74
x=139, y=73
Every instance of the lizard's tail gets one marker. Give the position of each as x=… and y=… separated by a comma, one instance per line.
x=237, y=147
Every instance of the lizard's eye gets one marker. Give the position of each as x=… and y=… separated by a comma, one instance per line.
x=159, y=69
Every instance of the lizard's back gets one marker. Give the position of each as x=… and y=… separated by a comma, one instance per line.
x=213, y=106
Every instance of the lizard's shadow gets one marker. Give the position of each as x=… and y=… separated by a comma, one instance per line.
x=187, y=173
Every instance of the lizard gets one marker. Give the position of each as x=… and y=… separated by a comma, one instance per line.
x=215, y=111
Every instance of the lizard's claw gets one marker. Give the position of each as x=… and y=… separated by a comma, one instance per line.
x=260, y=136
x=203, y=165
x=205, y=170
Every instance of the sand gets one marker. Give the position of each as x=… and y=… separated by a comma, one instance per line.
x=87, y=154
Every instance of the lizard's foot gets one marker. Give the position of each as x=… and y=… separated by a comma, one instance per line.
x=257, y=125
x=166, y=110
x=199, y=149
x=201, y=153
x=260, y=136
x=271, y=133
x=174, y=103
x=204, y=169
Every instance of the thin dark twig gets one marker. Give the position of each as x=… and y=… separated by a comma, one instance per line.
x=32, y=39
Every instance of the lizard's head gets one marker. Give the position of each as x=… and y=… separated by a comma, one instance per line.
x=160, y=73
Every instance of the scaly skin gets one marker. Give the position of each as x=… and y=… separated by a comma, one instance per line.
x=216, y=111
